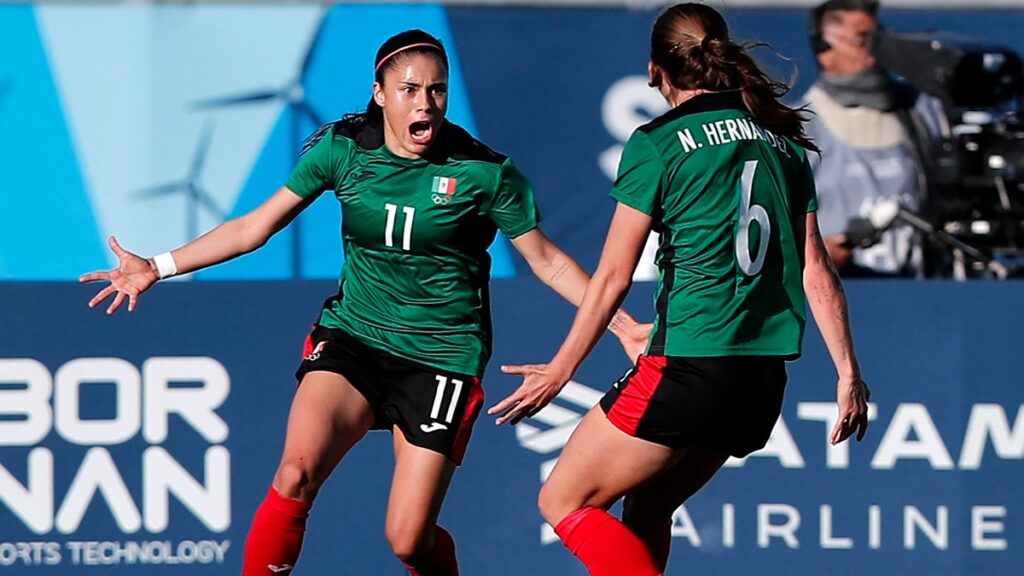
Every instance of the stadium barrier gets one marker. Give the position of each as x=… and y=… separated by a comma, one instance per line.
x=142, y=443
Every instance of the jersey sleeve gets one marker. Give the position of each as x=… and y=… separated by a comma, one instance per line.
x=805, y=200
x=319, y=168
x=641, y=170
x=512, y=207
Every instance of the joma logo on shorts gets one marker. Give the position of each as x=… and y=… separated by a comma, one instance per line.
x=432, y=427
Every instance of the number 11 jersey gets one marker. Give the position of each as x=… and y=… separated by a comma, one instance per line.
x=415, y=234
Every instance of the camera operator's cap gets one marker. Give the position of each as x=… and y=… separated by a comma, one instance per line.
x=406, y=41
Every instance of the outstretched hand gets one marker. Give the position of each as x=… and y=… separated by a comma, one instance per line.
x=852, y=395
x=132, y=277
x=540, y=385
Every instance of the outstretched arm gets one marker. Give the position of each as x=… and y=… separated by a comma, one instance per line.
x=828, y=305
x=562, y=274
x=603, y=295
x=134, y=274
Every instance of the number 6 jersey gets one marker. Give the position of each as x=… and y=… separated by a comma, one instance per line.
x=415, y=234
x=724, y=193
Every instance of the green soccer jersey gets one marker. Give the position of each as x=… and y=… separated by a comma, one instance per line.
x=725, y=195
x=415, y=234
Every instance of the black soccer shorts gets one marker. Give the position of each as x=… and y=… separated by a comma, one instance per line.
x=723, y=403
x=435, y=409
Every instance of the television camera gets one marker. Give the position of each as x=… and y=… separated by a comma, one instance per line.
x=976, y=209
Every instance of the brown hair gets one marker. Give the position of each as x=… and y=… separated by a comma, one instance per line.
x=691, y=43
x=395, y=50
x=390, y=54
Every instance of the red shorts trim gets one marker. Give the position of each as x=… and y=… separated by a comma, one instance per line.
x=636, y=393
x=474, y=403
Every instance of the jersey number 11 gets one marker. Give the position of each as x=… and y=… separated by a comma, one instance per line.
x=389, y=227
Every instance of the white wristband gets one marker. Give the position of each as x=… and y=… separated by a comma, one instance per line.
x=165, y=266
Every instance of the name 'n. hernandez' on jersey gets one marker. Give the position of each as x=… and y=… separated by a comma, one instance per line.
x=724, y=193
x=415, y=234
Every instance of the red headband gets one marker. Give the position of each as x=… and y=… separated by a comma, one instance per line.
x=404, y=48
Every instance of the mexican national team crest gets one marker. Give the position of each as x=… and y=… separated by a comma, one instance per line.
x=443, y=190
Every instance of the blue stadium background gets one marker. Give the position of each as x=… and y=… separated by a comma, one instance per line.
x=101, y=105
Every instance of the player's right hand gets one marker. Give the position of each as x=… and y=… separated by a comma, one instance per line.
x=133, y=276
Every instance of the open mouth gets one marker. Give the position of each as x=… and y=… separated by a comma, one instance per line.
x=421, y=132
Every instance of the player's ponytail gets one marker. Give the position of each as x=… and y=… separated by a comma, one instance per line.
x=691, y=43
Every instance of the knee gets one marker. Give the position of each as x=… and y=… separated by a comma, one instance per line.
x=553, y=505
x=294, y=479
x=409, y=541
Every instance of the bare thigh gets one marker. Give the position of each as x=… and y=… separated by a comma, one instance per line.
x=418, y=488
x=598, y=465
x=328, y=416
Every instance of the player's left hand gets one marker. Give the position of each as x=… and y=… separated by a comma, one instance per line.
x=634, y=340
x=852, y=395
x=541, y=383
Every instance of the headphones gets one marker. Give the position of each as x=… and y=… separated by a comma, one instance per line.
x=814, y=30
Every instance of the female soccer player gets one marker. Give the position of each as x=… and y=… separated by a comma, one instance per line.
x=724, y=178
x=403, y=344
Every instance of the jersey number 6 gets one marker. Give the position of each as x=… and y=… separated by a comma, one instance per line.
x=751, y=212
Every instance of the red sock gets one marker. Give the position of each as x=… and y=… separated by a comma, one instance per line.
x=275, y=538
x=605, y=545
x=440, y=561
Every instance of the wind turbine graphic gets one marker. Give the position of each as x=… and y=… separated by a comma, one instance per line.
x=293, y=94
x=195, y=196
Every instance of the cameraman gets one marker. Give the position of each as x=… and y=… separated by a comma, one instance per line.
x=878, y=136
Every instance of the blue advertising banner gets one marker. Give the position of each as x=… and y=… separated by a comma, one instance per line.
x=142, y=443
